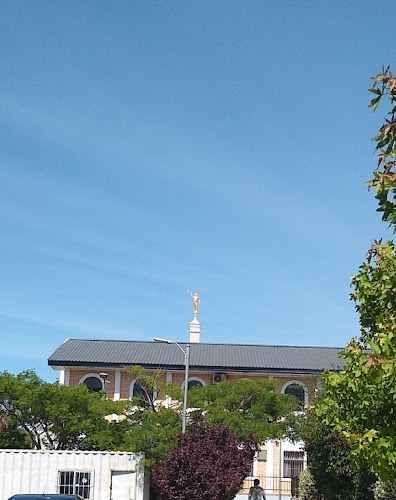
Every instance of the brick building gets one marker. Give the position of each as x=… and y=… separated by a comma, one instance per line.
x=296, y=369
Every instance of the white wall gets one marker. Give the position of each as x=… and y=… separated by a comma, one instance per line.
x=35, y=471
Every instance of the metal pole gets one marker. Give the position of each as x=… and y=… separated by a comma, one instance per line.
x=280, y=469
x=187, y=364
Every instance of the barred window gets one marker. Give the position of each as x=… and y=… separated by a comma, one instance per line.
x=293, y=463
x=297, y=391
x=74, y=483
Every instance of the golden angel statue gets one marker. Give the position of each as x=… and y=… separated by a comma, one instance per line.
x=196, y=300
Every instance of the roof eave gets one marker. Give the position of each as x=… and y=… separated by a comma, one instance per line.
x=168, y=367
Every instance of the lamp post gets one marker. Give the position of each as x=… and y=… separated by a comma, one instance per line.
x=103, y=377
x=280, y=469
x=186, y=353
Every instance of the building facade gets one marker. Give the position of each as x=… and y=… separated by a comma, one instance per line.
x=103, y=364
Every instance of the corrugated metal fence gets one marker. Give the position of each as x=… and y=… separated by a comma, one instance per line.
x=93, y=475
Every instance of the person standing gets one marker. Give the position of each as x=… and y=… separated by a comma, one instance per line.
x=256, y=492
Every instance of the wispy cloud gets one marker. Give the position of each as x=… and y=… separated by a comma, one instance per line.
x=28, y=352
x=74, y=324
x=83, y=215
x=257, y=192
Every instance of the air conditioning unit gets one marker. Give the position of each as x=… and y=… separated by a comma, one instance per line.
x=219, y=377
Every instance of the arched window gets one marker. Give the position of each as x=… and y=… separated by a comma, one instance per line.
x=93, y=382
x=194, y=382
x=296, y=389
x=136, y=391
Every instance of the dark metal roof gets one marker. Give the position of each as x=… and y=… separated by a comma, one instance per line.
x=212, y=357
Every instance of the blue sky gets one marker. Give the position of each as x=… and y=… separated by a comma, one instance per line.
x=150, y=147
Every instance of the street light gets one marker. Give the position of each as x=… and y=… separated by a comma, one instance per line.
x=103, y=377
x=186, y=353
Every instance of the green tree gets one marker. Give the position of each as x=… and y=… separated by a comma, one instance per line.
x=328, y=453
x=360, y=400
x=55, y=416
x=384, y=180
x=146, y=424
x=152, y=432
x=12, y=437
x=248, y=408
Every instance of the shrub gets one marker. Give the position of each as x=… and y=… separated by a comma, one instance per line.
x=307, y=486
x=384, y=491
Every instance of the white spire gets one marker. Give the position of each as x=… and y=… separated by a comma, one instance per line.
x=195, y=331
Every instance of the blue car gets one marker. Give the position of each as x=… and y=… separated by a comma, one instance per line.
x=44, y=496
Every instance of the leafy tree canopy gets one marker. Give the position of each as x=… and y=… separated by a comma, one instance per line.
x=55, y=416
x=152, y=432
x=384, y=180
x=13, y=437
x=333, y=474
x=250, y=409
x=360, y=401
x=147, y=424
x=59, y=417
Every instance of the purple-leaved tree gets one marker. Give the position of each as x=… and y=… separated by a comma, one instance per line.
x=210, y=463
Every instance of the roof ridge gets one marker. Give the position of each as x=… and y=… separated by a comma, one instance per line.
x=211, y=343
